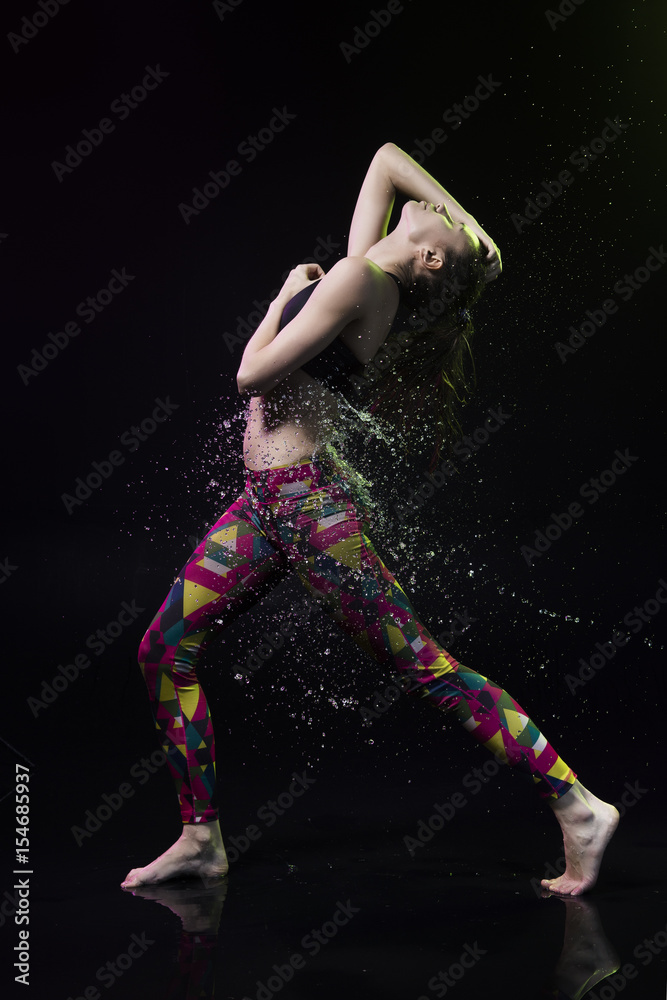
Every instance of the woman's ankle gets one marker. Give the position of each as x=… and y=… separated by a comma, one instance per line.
x=202, y=831
x=573, y=805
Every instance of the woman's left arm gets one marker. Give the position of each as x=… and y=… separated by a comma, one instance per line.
x=298, y=278
x=272, y=354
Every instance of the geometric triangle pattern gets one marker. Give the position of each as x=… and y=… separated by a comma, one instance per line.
x=497, y=721
x=307, y=520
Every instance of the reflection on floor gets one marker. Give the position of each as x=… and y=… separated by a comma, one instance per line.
x=461, y=920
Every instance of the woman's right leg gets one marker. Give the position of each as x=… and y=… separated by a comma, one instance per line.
x=229, y=571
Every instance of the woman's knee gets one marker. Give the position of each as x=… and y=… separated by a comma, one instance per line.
x=177, y=663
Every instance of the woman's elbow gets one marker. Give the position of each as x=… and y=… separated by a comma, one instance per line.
x=251, y=385
x=386, y=148
x=243, y=380
x=245, y=386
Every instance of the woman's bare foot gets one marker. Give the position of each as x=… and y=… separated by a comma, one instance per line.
x=198, y=851
x=588, y=824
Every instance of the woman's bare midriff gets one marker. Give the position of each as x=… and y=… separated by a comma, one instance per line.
x=290, y=424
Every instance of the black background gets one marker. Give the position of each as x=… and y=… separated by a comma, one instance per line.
x=68, y=572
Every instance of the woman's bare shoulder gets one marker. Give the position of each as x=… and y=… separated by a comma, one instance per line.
x=356, y=276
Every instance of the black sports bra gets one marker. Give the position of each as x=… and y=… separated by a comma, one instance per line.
x=333, y=366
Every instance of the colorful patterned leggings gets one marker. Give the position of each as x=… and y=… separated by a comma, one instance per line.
x=304, y=518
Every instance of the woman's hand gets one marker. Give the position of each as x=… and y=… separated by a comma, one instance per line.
x=300, y=277
x=492, y=260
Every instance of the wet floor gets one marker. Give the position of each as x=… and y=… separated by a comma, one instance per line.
x=308, y=914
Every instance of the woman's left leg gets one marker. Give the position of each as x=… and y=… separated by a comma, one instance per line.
x=327, y=543
x=326, y=540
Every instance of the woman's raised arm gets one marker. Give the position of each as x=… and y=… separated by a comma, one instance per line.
x=413, y=181
x=393, y=171
x=373, y=209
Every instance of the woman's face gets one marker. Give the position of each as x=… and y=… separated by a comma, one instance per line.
x=432, y=226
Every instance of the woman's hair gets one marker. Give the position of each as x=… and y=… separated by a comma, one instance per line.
x=421, y=367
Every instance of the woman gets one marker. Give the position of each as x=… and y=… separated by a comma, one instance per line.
x=301, y=510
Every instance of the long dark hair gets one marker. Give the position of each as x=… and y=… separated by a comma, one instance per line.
x=419, y=376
